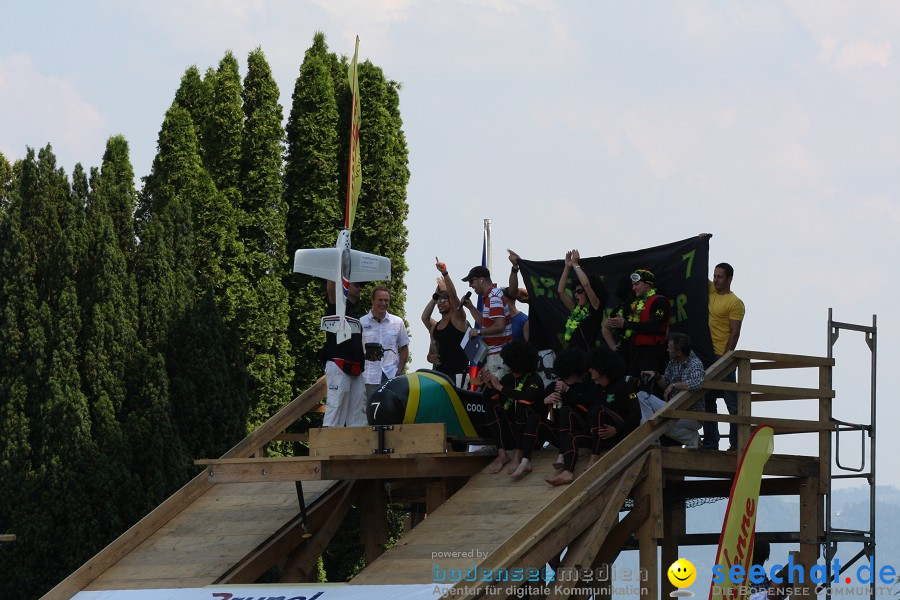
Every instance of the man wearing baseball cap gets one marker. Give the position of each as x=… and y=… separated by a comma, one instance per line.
x=495, y=319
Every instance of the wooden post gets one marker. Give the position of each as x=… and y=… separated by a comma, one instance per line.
x=648, y=559
x=744, y=408
x=373, y=520
x=809, y=529
x=435, y=494
x=825, y=436
x=674, y=525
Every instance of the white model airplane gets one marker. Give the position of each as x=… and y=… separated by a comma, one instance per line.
x=342, y=265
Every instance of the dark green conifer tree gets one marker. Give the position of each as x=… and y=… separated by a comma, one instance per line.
x=380, y=225
x=264, y=334
x=224, y=125
x=311, y=191
x=195, y=96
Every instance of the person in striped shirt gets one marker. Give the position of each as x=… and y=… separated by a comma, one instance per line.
x=496, y=330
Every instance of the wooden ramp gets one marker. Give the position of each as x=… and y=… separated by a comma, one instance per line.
x=469, y=526
x=203, y=542
x=209, y=532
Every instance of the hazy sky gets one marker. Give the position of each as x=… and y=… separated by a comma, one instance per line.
x=602, y=126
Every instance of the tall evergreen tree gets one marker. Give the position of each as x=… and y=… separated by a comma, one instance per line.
x=380, y=225
x=41, y=391
x=223, y=126
x=266, y=347
x=22, y=349
x=195, y=96
x=311, y=193
x=207, y=404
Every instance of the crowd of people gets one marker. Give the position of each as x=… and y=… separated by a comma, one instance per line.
x=615, y=370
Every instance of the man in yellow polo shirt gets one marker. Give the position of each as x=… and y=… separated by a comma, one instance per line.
x=726, y=313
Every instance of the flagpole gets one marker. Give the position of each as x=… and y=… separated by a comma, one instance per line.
x=487, y=237
x=354, y=169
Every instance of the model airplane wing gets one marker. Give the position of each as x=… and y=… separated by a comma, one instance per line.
x=318, y=262
x=368, y=267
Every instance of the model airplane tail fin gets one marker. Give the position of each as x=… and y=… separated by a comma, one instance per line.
x=343, y=327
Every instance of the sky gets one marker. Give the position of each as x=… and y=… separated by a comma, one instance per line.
x=601, y=126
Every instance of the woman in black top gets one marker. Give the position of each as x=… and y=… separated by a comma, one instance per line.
x=582, y=327
x=445, y=353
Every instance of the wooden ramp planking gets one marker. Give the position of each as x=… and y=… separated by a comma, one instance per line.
x=208, y=537
x=473, y=522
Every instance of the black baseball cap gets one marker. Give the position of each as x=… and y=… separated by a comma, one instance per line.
x=476, y=272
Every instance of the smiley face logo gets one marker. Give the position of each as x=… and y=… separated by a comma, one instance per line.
x=682, y=573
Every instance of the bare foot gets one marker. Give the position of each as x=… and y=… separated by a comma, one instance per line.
x=560, y=462
x=594, y=459
x=516, y=459
x=523, y=469
x=499, y=463
x=564, y=478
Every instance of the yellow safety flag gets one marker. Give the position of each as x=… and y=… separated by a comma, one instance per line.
x=739, y=526
x=354, y=169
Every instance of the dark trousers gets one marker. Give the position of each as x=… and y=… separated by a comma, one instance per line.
x=711, y=428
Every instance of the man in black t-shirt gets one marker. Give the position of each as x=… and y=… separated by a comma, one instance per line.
x=345, y=401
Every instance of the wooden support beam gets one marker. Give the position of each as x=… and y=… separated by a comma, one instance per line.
x=292, y=437
x=420, y=438
x=744, y=376
x=648, y=560
x=782, y=425
x=561, y=520
x=300, y=564
x=622, y=532
x=797, y=359
x=673, y=527
x=825, y=436
x=810, y=515
x=7, y=537
x=435, y=494
x=797, y=393
x=372, y=519
x=304, y=468
x=712, y=539
x=289, y=537
x=721, y=488
x=697, y=463
x=582, y=552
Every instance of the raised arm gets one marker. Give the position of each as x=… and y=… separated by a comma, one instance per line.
x=448, y=283
x=514, y=272
x=429, y=310
x=561, y=288
x=592, y=296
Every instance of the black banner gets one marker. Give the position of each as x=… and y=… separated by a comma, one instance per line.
x=681, y=270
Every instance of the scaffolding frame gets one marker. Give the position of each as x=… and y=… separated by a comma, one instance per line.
x=834, y=535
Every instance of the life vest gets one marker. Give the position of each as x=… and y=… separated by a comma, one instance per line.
x=651, y=339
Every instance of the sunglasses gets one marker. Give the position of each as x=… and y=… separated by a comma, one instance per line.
x=579, y=291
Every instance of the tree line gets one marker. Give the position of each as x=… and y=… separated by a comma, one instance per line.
x=142, y=327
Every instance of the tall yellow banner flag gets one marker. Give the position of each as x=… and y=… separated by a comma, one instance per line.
x=354, y=169
x=739, y=527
